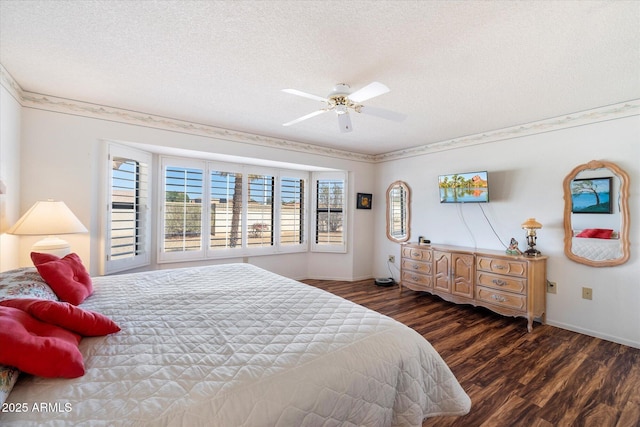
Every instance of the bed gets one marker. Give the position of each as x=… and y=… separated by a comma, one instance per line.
x=596, y=244
x=236, y=345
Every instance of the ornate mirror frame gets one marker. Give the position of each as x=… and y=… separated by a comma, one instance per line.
x=399, y=203
x=623, y=205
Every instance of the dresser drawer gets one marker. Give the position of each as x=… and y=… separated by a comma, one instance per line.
x=501, y=266
x=410, y=265
x=416, y=281
x=502, y=282
x=418, y=254
x=500, y=298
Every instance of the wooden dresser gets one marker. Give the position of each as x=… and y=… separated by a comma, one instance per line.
x=506, y=284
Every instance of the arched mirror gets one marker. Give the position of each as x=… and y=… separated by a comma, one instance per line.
x=398, y=211
x=596, y=214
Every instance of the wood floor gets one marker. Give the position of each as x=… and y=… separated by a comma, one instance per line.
x=550, y=377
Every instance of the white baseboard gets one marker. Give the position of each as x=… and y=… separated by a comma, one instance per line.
x=595, y=334
x=340, y=279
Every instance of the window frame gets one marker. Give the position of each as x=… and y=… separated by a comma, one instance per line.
x=227, y=252
x=326, y=176
x=244, y=249
x=152, y=231
x=303, y=246
x=143, y=236
x=164, y=257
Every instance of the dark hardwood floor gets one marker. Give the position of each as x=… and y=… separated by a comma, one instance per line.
x=550, y=377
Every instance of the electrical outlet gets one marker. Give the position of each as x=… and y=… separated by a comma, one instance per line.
x=392, y=259
x=552, y=287
x=587, y=293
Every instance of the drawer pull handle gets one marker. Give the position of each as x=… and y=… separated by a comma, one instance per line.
x=498, y=298
x=499, y=282
x=415, y=278
x=415, y=253
x=416, y=266
x=500, y=267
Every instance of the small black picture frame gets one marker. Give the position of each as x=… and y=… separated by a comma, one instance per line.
x=364, y=201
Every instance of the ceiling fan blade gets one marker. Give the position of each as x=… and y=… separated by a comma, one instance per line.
x=344, y=122
x=305, y=95
x=382, y=113
x=369, y=91
x=308, y=116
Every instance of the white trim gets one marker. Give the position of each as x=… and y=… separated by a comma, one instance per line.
x=315, y=177
x=109, y=149
x=591, y=333
x=62, y=105
x=306, y=214
x=601, y=114
x=242, y=250
x=179, y=256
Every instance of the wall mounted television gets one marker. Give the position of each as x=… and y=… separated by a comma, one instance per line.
x=468, y=187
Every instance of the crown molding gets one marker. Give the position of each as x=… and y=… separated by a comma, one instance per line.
x=10, y=84
x=79, y=108
x=610, y=112
x=67, y=106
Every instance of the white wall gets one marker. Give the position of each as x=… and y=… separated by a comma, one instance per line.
x=10, y=112
x=526, y=176
x=61, y=155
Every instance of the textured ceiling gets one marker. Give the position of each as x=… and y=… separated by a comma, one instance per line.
x=455, y=68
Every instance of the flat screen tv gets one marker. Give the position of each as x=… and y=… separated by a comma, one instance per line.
x=469, y=187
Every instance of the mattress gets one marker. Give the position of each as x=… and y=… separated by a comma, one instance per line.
x=235, y=345
x=596, y=249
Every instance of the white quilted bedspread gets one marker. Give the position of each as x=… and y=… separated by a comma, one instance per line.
x=596, y=249
x=235, y=345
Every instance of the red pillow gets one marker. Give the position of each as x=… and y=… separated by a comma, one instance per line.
x=67, y=316
x=596, y=233
x=66, y=276
x=38, y=348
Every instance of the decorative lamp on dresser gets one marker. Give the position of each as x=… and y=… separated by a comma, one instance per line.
x=511, y=285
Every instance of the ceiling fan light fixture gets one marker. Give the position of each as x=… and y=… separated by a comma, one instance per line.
x=341, y=101
x=340, y=89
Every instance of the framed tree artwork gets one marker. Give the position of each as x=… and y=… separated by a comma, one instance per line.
x=591, y=195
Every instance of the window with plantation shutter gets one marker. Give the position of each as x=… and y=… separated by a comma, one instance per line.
x=292, y=211
x=226, y=210
x=207, y=209
x=182, y=210
x=127, y=222
x=330, y=212
x=260, y=219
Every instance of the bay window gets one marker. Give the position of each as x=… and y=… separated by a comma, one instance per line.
x=208, y=209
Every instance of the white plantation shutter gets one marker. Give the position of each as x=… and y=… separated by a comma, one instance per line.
x=209, y=209
x=127, y=233
x=226, y=210
x=330, y=198
x=292, y=211
x=182, y=210
x=260, y=218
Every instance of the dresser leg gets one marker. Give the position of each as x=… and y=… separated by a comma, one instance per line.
x=530, y=323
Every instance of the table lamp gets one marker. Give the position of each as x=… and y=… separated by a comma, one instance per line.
x=531, y=225
x=49, y=218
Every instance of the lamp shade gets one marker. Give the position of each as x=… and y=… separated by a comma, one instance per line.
x=531, y=224
x=47, y=218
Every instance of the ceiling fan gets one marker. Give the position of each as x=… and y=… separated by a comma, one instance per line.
x=341, y=101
